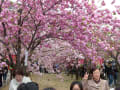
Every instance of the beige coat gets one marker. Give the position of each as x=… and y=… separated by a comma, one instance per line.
x=91, y=85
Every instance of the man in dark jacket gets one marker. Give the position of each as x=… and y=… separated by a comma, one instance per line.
x=1, y=74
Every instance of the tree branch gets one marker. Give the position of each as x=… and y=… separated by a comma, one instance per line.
x=3, y=42
x=5, y=32
x=2, y=55
x=8, y=51
x=26, y=15
x=2, y=1
x=41, y=5
x=33, y=35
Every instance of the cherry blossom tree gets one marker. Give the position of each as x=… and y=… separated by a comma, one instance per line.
x=26, y=24
x=106, y=35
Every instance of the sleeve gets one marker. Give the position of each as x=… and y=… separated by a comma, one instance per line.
x=85, y=84
x=107, y=86
x=11, y=86
x=28, y=80
x=2, y=71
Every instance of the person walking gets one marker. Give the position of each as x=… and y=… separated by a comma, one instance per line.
x=5, y=72
x=1, y=74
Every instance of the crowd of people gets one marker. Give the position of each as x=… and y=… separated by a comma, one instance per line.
x=111, y=72
x=108, y=71
x=21, y=82
x=93, y=78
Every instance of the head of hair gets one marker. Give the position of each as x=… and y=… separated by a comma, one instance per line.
x=28, y=86
x=74, y=83
x=18, y=72
x=32, y=86
x=94, y=69
x=22, y=87
x=49, y=88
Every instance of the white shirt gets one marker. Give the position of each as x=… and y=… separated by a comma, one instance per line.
x=112, y=89
x=14, y=84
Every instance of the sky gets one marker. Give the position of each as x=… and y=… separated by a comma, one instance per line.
x=108, y=4
x=14, y=0
x=98, y=3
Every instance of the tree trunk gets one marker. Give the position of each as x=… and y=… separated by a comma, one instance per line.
x=18, y=63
